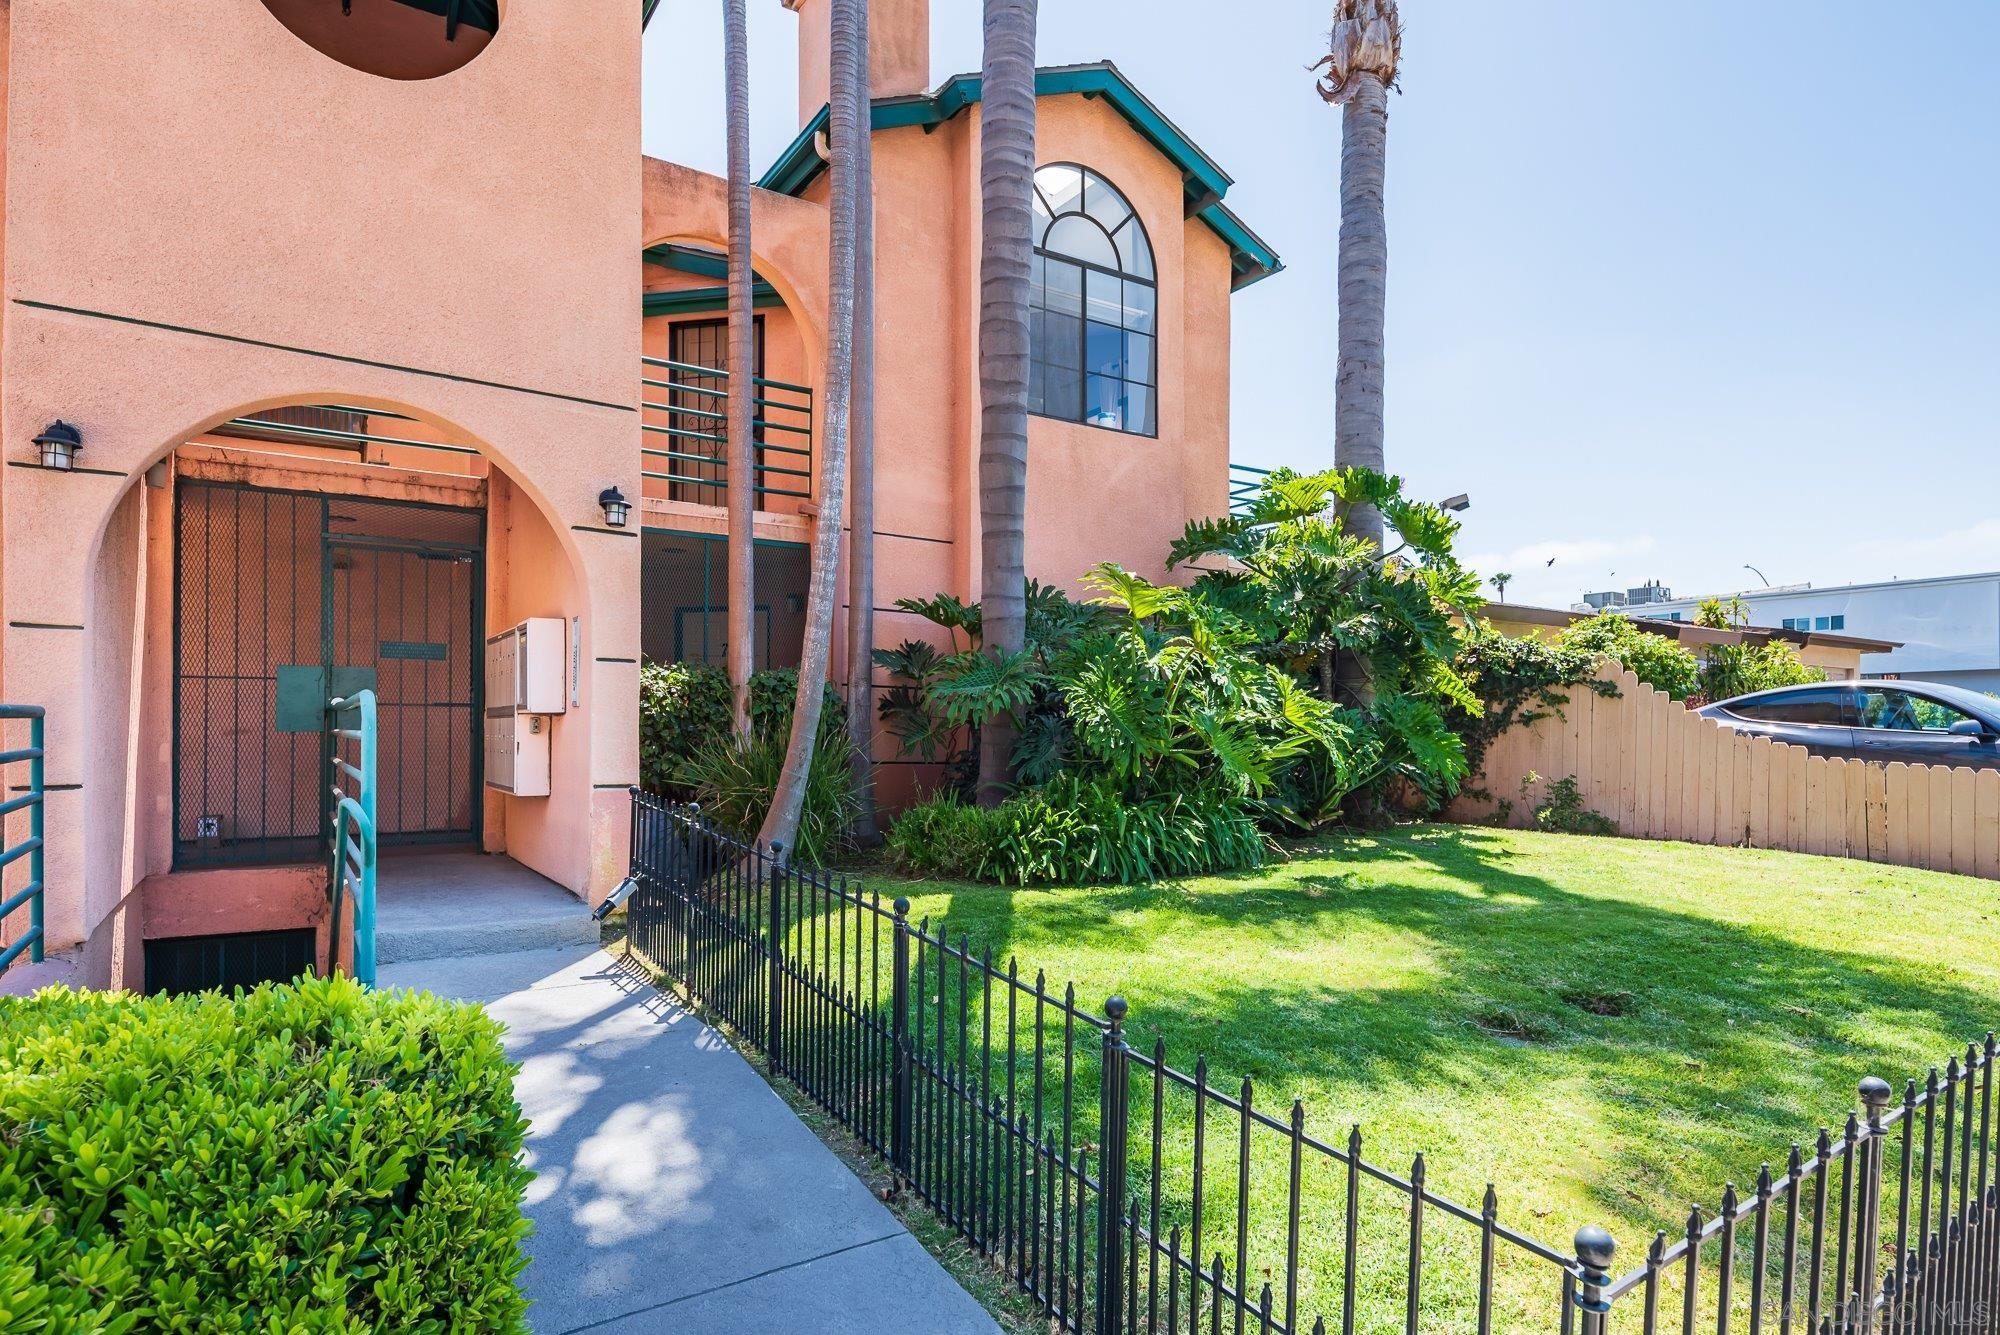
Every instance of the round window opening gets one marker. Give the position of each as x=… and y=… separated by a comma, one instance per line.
x=396, y=39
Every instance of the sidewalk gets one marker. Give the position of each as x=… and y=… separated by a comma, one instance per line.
x=674, y=1190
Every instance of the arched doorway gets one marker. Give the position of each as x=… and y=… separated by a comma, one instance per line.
x=277, y=557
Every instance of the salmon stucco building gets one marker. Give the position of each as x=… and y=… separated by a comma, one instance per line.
x=336, y=331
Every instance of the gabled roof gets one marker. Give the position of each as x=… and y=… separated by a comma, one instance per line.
x=1202, y=181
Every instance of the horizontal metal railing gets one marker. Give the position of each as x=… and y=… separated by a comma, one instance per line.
x=336, y=426
x=31, y=800
x=1244, y=484
x=687, y=409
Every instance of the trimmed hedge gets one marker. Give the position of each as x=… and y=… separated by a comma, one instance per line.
x=315, y=1157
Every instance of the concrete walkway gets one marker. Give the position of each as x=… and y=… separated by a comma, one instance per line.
x=674, y=1190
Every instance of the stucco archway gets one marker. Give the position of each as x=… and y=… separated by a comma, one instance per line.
x=132, y=863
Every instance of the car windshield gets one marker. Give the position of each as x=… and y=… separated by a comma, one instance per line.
x=1975, y=703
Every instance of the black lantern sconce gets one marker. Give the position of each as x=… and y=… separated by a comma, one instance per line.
x=59, y=444
x=617, y=510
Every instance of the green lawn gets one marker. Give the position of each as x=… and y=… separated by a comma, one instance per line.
x=1442, y=986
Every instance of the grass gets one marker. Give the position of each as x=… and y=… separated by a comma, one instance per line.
x=1608, y=1030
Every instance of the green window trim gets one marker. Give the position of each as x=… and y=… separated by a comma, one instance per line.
x=1204, y=183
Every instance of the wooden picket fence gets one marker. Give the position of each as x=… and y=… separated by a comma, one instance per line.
x=1661, y=771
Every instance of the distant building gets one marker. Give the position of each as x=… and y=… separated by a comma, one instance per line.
x=1646, y=595
x=1947, y=628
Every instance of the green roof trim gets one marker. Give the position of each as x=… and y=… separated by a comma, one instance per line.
x=697, y=300
x=1204, y=182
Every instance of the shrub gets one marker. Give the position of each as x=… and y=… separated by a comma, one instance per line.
x=309, y=1157
x=1654, y=659
x=1563, y=811
x=1080, y=831
x=684, y=712
x=944, y=837
x=735, y=782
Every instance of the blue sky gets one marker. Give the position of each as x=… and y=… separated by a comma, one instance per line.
x=1672, y=288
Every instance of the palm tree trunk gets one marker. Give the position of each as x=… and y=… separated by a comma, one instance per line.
x=1364, y=272
x=861, y=449
x=1006, y=185
x=782, y=823
x=740, y=469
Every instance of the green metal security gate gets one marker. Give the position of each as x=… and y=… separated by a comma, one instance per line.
x=283, y=600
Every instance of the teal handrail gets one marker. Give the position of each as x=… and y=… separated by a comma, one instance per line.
x=1245, y=482
x=351, y=856
x=32, y=941
x=697, y=429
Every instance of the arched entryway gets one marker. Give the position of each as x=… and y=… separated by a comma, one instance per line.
x=279, y=555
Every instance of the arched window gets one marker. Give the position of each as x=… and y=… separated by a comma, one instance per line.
x=1094, y=309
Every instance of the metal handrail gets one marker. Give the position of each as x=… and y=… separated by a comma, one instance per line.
x=352, y=848
x=1245, y=483
x=697, y=431
x=33, y=941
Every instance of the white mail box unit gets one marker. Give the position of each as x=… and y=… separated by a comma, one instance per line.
x=526, y=676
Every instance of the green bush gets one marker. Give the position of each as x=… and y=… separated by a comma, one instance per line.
x=683, y=713
x=1080, y=831
x=314, y=1157
x=944, y=837
x=735, y=782
x=1654, y=659
x=1519, y=681
x=1563, y=811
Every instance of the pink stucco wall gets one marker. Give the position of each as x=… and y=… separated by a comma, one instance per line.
x=218, y=219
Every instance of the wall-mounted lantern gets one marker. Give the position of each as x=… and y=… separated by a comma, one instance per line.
x=617, y=510
x=59, y=444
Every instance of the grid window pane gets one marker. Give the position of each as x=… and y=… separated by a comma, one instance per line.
x=1139, y=357
x=1077, y=236
x=1093, y=331
x=1062, y=341
x=1105, y=402
x=1062, y=396
x=1103, y=349
x=1139, y=409
x=1141, y=301
x=1064, y=288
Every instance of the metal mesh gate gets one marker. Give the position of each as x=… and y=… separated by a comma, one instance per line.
x=283, y=599
x=684, y=597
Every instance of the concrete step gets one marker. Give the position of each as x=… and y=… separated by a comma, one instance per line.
x=446, y=905
x=24, y=978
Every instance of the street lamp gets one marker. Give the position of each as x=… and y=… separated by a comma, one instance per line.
x=1758, y=573
x=1456, y=503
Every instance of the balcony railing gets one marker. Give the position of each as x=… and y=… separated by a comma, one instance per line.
x=687, y=433
x=1244, y=484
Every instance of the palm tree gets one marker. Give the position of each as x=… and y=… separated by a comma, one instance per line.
x=1500, y=583
x=740, y=468
x=861, y=450
x=782, y=822
x=1366, y=44
x=1006, y=186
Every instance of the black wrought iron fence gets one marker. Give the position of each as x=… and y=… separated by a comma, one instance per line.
x=1125, y=1194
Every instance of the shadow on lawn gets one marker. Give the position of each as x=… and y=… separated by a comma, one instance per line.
x=1734, y=1040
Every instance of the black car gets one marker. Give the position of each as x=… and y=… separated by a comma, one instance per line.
x=1882, y=721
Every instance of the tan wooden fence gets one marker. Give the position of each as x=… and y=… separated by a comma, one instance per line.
x=1662, y=771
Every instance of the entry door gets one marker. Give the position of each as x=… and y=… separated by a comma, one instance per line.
x=408, y=616
x=277, y=594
